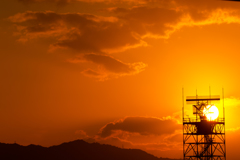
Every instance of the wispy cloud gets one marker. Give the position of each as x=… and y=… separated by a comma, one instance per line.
x=232, y=102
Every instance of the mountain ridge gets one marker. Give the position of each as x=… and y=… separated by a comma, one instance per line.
x=73, y=150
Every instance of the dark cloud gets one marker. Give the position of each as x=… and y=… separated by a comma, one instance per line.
x=156, y=22
x=114, y=65
x=110, y=67
x=207, y=9
x=153, y=135
x=141, y=125
x=91, y=73
x=90, y=1
x=59, y=2
x=100, y=38
x=84, y=33
x=95, y=37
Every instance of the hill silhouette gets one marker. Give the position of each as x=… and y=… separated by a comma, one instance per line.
x=75, y=150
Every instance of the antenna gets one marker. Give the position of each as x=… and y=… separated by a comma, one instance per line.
x=224, y=120
x=210, y=93
x=183, y=113
x=223, y=103
x=196, y=93
x=182, y=103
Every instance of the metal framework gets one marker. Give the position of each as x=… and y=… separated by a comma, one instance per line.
x=203, y=139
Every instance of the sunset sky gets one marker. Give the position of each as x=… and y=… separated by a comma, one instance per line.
x=112, y=71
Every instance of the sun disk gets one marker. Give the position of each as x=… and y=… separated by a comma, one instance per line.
x=211, y=112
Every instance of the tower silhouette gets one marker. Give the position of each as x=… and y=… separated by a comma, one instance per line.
x=203, y=138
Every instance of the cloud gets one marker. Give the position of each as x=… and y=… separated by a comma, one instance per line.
x=108, y=66
x=84, y=33
x=92, y=73
x=142, y=126
x=94, y=38
x=158, y=136
x=180, y=3
x=112, y=64
x=88, y=1
x=59, y=2
x=158, y=22
x=232, y=102
x=127, y=27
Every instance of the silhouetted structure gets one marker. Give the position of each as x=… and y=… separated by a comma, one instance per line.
x=203, y=139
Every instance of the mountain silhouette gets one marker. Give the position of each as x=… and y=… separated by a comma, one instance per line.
x=75, y=150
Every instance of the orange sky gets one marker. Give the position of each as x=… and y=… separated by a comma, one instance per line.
x=112, y=71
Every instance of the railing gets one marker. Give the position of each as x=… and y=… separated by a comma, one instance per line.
x=189, y=120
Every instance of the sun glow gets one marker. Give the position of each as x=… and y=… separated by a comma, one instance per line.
x=211, y=112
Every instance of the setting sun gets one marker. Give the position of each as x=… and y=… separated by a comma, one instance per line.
x=211, y=112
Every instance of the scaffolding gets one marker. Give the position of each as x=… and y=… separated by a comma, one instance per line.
x=203, y=139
